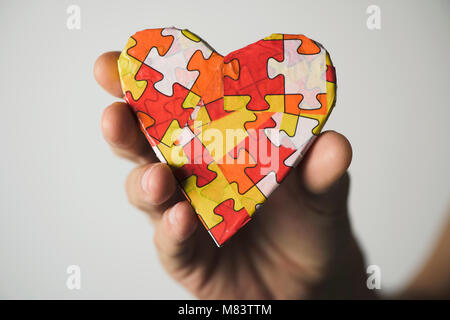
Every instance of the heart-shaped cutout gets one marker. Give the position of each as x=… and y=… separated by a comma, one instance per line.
x=230, y=127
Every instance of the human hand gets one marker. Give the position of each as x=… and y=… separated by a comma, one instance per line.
x=298, y=245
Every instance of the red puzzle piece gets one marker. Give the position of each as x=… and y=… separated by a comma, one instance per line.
x=232, y=220
x=253, y=80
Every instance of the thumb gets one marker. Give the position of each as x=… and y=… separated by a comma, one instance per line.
x=323, y=173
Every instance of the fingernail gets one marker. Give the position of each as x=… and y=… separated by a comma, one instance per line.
x=173, y=215
x=146, y=179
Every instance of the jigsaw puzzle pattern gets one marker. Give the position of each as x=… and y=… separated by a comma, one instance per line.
x=275, y=93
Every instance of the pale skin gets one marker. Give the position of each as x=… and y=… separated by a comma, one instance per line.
x=299, y=245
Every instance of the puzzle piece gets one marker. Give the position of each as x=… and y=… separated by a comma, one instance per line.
x=251, y=199
x=128, y=67
x=173, y=64
x=303, y=131
x=208, y=85
x=268, y=184
x=198, y=160
x=253, y=79
x=233, y=168
x=147, y=39
x=326, y=101
x=230, y=127
x=153, y=102
x=303, y=74
x=231, y=220
x=222, y=135
x=270, y=159
x=206, y=198
x=307, y=45
x=216, y=110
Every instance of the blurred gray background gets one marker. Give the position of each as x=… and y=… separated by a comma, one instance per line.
x=62, y=200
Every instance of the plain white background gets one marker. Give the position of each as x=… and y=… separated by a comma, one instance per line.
x=62, y=197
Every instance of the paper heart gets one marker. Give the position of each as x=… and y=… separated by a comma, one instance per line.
x=230, y=127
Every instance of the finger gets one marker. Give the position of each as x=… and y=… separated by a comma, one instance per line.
x=324, y=177
x=174, y=235
x=106, y=73
x=325, y=162
x=150, y=187
x=121, y=130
